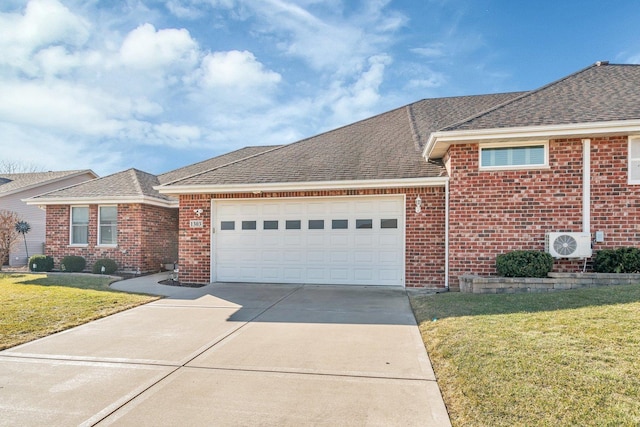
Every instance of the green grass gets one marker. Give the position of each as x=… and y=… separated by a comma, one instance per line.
x=556, y=359
x=36, y=305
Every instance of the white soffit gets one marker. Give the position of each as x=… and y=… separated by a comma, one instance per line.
x=439, y=142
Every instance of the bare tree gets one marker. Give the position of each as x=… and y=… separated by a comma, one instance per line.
x=8, y=166
x=8, y=233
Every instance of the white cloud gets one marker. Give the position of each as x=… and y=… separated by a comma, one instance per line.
x=433, y=50
x=43, y=23
x=236, y=70
x=356, y=101
x=147, y=49
x=333, y=41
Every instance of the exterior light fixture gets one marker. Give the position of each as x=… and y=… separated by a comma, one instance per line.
x=418, y=204
x=198, y=212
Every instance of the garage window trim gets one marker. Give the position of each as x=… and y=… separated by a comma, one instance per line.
x=248, y=225
x=227, y=225
x=364, y=223
x=340, y=224
x=293, y=224
x=389, y=223
x=270, y=225
x=316, y=224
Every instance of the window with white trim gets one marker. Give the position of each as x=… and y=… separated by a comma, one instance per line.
x=108, y=225
x=79, y=225
x=520, y=156
x=634, y=160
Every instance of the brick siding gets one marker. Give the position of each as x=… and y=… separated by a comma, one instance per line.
x=493, y=212
x=147, y=237
x=425, y=232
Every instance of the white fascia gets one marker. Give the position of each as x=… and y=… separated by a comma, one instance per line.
x=102, y=201
x=439, y=142
x=304, y=186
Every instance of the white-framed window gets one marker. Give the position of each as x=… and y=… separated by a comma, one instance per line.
x=108, y=225
x=634, y=160
x=525, y=155
x=79, y=233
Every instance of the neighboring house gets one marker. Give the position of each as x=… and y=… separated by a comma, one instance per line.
x=121, y=217
x=417, y=196
x=15, y=187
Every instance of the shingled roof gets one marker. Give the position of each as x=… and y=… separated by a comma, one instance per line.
x=11, y=183
x=131, y=185
x=136, y=186
x=386, y=146
x=213, y=163
x=602, y=92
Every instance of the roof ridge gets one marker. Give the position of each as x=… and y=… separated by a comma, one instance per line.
x=524, y=95
x=413, y=127
x=137, y=180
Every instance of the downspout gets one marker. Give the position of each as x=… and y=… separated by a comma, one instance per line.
x=446, y=235
x=586, y=186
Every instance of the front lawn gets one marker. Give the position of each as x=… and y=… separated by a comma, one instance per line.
x=36, y=305
x=553, y=359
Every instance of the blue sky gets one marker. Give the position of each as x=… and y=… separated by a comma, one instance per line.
x=157, y=85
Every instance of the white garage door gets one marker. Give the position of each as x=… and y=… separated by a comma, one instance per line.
x=349, y=240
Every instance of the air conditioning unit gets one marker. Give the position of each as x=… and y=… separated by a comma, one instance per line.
x=568, y=245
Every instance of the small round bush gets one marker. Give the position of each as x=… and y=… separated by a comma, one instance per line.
x=40, y=263
x=620, y=260
x=524, y=264
x=109, y=265
x=73, y=263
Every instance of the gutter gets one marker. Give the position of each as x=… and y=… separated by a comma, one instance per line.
x=258, y=188
x=586, y=186
x=446, y=236
x=447, y=138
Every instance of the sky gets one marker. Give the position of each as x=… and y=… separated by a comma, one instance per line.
x=157, y=85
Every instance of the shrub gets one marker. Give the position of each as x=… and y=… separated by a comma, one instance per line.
x=109, y=265
x=73, y=263
x=524, y=264
x=42, y=263
x=620, y=260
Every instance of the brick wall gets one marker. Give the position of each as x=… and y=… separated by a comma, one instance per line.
x=424, y=232
x=615, y=205
x=493, y=212
x=147, y=236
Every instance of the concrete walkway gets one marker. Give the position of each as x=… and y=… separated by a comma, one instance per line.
x=230, y=354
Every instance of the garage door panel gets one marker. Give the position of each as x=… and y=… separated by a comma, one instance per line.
x=316, y=252
x=293, y=274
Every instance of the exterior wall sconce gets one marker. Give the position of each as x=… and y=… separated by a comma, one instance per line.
x=418, y=204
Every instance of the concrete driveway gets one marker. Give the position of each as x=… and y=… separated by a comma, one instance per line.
x=231, y=354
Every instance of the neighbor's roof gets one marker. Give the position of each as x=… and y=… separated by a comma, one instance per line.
x=129, y=186
x=11, y=183
x=602, y=92
x=136, y=186
x=384, y=147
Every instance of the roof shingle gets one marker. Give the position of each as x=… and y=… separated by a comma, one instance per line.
x=599, y=93
x=14, y=182
x=386, y=146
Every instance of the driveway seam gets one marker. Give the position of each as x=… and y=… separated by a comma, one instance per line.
x=323, y=374
x=183, y=365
